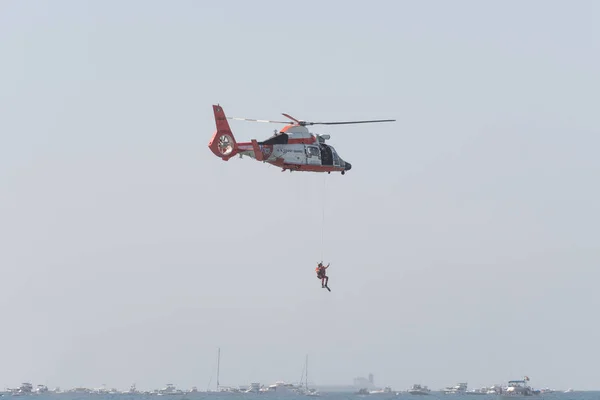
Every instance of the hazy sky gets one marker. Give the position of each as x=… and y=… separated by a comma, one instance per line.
x=464, y=242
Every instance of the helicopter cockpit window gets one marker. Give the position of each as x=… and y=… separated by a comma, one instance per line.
x=336, y=158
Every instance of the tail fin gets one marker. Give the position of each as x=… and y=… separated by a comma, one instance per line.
x=223, y=143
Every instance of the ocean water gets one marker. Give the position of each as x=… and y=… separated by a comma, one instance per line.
x=577, y=395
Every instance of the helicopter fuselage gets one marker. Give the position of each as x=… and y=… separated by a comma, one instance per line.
x=294, y=148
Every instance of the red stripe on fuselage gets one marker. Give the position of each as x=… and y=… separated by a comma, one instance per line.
x=305, y=167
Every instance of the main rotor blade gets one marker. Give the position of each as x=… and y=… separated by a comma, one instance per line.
x=259, y=120
x=349, y=122
x=304, y=123
x=292, y=118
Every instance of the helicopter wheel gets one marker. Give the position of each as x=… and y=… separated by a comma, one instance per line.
x=343, y=172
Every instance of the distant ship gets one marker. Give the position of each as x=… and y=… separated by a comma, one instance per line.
x=459, y=388
x=386, y=390
x=169, y=390
x=419, y=390
x=481, y=391
x=518, y=388
x=281, y=388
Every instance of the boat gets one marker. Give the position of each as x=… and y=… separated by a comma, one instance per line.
x=518, y=388
x=219, y=389
x=480, y=391
x=419, y=390
x=303, y=388
x=459, y=388
x=254, y=388
x=230, y=389
x=132, y=390
x=385, y=390
x=280, y=388
x=26, y=388
x=169, y=390
x=41, y=389
x=104, y=390
x=494, y=389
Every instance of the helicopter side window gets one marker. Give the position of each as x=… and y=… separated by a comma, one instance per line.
x=313, y=151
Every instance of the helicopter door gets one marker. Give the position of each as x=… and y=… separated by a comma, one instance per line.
x=326, y=155
x=336, y=158
x=313, y=155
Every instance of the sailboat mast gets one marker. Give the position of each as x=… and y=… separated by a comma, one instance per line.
x=306, y=376
x=218, y=366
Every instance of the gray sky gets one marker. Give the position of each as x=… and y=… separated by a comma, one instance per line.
x=464, y=242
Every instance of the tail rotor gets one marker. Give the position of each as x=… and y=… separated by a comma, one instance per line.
x=226, y=145
x=223, y=143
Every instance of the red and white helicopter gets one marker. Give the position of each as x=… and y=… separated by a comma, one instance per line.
x=293, y=148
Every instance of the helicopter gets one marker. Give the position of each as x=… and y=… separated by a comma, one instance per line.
x=293, y=148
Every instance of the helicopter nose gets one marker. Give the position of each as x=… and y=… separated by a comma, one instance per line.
x=347, y=166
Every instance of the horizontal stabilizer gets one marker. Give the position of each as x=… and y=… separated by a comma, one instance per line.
x=258, y=154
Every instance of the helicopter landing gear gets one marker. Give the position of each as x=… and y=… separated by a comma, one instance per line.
x=343, y=172
x=329, y=172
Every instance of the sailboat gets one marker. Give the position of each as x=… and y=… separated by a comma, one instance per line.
x=218, y=371
x=307, y=391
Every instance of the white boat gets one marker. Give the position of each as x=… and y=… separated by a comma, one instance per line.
x=41, y=389
x=480, y=391
x=254, y=388
x=230, y=389
x=170, y=390
x=220, y=389
x=459, y=388
x=303, y=388
x=419, y=390
x=25, y=389
x=385, y=390
x=280, y=388
x=132, y=390
x=517, y=388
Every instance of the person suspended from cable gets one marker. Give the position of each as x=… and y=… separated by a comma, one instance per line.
x=321, y=274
